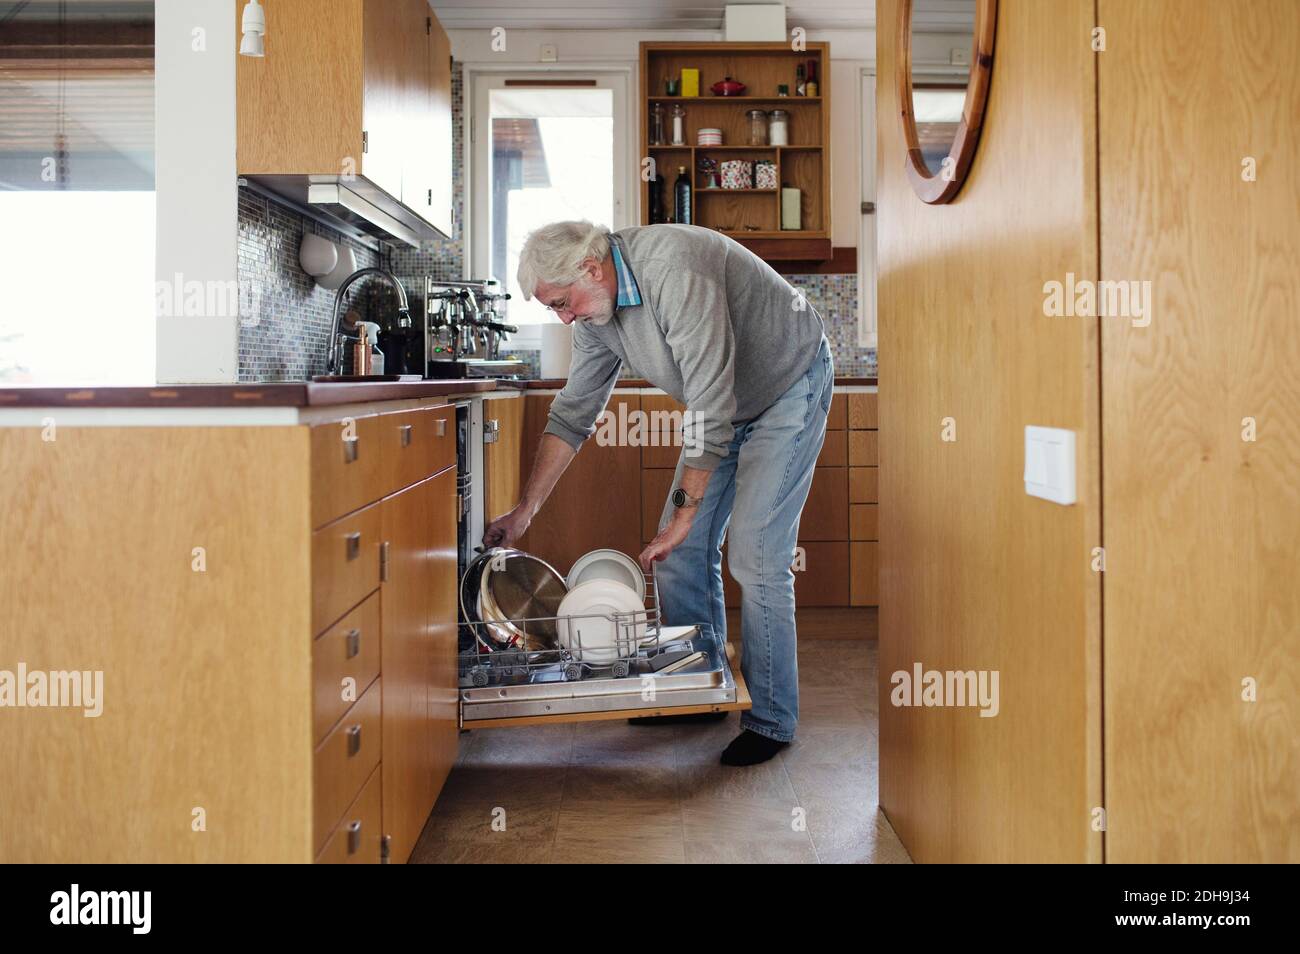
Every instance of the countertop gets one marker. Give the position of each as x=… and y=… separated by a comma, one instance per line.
x=277, y=394
x=554, y=384
x=287, y=394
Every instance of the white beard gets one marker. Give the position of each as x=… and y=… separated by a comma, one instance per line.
x=603, y=312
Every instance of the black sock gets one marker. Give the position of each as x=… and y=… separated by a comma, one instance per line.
x=750, y=748
x=690, y=718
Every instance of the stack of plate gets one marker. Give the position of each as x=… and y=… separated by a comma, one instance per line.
x=603, y=617
x=709, y=137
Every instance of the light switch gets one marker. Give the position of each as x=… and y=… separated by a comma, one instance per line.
x=1049, y=464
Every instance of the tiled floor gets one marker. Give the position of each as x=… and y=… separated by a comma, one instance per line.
x=611, y=792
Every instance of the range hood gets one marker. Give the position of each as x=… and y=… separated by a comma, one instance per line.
x=354, y=202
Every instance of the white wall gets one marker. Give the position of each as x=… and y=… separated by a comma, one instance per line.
x=197, y=196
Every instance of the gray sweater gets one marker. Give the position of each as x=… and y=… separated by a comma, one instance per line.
x=718, y=330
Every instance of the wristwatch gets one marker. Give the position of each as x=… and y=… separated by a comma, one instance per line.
x=681, y=498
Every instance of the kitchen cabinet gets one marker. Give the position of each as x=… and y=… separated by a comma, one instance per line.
x=272, y=609
x=419, y=653
x=751, y=216
x=829, y=516
x=505, y=468
x=355, y=94
x=597, y=502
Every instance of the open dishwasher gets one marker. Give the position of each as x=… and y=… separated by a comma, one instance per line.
x=523, y=669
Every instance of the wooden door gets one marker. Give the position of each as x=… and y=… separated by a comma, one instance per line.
x=444, y=694
x=408, y=662
x=433, y=158
x=505, y=468
x=597, y=503
x=396, y=72
x=1202, y=515
x=973, y=574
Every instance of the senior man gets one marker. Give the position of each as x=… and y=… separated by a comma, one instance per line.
x=715, y=327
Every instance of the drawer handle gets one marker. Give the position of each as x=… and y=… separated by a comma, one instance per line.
x=354, y=642
x=354, y=837
x=353, y=546
x=406, y=435
x=351, y=449
x=354, y=740
x=383, y=562
x=441, y=425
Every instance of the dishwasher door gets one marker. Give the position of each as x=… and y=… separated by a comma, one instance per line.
x=710, y=684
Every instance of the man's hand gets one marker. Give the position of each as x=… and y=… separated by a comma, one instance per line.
x=668, y=538
x=509, y=527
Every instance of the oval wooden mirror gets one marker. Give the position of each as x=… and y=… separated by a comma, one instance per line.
x=942, y=105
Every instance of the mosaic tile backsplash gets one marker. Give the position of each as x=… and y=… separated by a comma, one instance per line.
x=288, y=338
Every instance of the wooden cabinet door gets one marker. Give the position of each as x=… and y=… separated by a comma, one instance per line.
x=396, y=69
x=504, y=467
x=408, y=662
x=444, y=691
x=597, y=502
x=432, y=159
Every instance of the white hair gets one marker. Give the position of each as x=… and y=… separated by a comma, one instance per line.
x=554, y=254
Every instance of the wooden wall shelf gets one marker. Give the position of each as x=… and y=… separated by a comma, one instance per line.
x=803, y=164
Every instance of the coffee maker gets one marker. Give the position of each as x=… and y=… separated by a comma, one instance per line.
x=462, y=330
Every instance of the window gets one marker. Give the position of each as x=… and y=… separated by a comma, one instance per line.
x=77, y=193
x=549, y=154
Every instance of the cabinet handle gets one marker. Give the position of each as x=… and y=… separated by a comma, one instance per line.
x=383, y=562
x=354, y=837
x=353, y=546
x=441, y=425
x=354, y=642
x=406, y=435
x=351, y=449
x=354, y=740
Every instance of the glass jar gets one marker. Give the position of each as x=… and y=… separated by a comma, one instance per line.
x=679, y=125
x=779, y=128
x=757, y=127
x=656, y=124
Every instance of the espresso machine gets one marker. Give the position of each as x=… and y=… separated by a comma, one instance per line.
x=463, y=332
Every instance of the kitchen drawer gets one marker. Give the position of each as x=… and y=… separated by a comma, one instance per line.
x=348, y=649
x=838, y=416
x=864, y=485
x=655, y=485
x=862, y=411
x=663, y=437
x=359, y=837
x=414, y=445
x=344, y=565
x=826, y=513
x=834, y=452
x=344, y=761
x=346, y=468
x=864, y=448
x=864, y=522
x=864, y=572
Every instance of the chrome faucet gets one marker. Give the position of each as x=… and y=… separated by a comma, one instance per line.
x=334, y=365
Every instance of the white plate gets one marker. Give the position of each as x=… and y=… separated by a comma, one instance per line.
x=594, y=640
x=608, y=565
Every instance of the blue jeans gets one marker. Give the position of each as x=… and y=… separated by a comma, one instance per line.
x=758, y=491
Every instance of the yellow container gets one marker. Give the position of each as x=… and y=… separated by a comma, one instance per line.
x=690, y=82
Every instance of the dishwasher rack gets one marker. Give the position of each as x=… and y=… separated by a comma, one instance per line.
x=518, y=650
